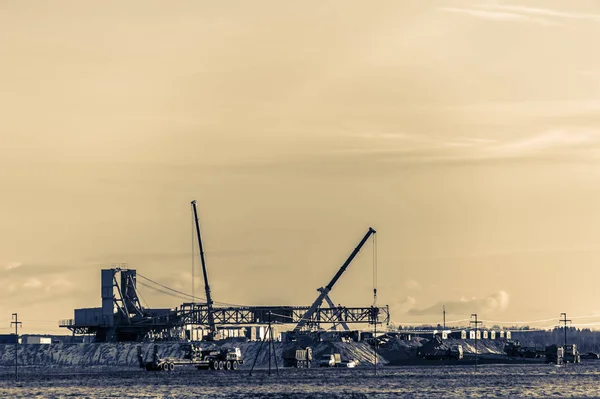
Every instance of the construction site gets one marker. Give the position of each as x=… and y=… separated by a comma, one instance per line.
x=223, y=344
x=122, y=318
x=209, y=334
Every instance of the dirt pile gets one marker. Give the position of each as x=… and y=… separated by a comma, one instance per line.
x=125, y=354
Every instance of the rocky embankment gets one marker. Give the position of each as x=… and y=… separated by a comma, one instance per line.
x=125, y=354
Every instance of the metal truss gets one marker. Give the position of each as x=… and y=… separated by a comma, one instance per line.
x=197, y=314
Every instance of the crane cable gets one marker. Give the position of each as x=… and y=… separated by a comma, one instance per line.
x=375, y=269
x=193, y=255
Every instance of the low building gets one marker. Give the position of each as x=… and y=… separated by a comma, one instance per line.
x=36, y=340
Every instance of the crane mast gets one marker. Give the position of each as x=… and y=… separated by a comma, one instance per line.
x=209, y=302
x=325, y=291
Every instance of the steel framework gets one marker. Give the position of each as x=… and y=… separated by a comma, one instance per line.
x=197, y=314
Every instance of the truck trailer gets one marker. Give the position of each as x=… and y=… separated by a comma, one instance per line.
x=213, y=359
x=299, y=358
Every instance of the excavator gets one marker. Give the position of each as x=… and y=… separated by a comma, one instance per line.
x=324, y=292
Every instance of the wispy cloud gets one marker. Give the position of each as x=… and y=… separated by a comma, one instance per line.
x=496, y=302
x=496, y=15
x=12, y=265
x=32, y=283
x=412, y=284
x=557, y=142
x=524, y=10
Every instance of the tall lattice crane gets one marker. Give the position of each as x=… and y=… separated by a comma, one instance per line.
x=209, y=302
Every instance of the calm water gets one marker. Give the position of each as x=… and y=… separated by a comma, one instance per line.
x=410, y=382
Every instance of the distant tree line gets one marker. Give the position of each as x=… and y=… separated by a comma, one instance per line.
x=586, y=340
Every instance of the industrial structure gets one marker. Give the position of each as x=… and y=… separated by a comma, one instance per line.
x=123, y=318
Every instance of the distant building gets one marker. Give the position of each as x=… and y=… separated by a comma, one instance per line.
x=36, y=340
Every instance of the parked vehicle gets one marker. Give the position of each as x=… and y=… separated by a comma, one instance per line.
x=555, y=354
x=590, y=356
x=436, y=350
x=331, y=360
x=219, y=359
x=349, y=363
x=572, y=354
x=299, y=358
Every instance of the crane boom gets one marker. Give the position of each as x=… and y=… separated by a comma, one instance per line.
x=325, y=291
x=211, y=320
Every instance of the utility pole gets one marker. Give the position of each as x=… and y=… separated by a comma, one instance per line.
x=476, y=323
x=271, y=345
x=564, y=320
x=17, y=323
x=444, y=311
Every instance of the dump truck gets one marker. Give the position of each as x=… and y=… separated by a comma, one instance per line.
x=571, y=354
x=213, y=359
x=299, y=358
x=554, y=354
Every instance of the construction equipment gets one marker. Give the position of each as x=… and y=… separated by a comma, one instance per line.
x=590, y=356
x=436, y=349
x=218, y=359
x=554, y=354
x=299, y=358
x=330, y=360
x=212, y=328
x=514, y=349
x=324, y=292
x=571, y=354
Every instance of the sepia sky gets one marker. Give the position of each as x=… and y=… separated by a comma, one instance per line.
x=467, y=132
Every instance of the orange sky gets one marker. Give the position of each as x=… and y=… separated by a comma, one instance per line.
x=465, y=132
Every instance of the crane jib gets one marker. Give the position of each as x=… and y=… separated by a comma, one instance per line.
x=350, y=258
x=209, y=301
x=325, y=291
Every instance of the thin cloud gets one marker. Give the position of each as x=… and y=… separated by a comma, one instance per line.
x=496, y=302
x=412, y=284
x=496, y=15
x=32, y=283
x=12, y=265
x=523, y=10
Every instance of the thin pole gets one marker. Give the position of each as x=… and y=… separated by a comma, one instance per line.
x=476, y=330
x=256, y=357
x=564, y=320
x=269, y=332
x=16, y=322
x=193, y=257
x=444, y=311
x=374, y=311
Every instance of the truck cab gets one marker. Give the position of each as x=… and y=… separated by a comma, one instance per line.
x=327, y=361
x=330, y=360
